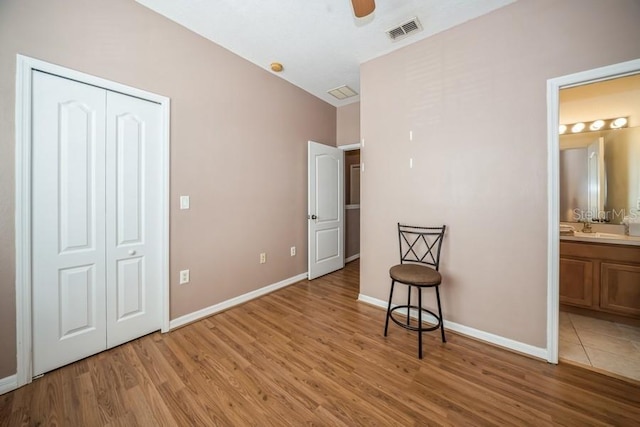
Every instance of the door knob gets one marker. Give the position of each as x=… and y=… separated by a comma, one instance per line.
x=132, y=252
x=314, y=217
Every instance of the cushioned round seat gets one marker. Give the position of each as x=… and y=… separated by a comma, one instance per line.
x=416, y=275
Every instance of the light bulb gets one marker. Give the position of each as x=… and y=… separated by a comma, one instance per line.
x=562, y=129
x=597, y=125
x=618, y=123
x=578, y=127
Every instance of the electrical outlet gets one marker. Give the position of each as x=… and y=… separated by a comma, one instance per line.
x=263, y=258
x=184, y=276
x=293, y=251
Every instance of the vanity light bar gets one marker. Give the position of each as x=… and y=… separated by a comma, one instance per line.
x=594, y=126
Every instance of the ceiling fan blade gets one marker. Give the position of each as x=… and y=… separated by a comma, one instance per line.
x=362, y=8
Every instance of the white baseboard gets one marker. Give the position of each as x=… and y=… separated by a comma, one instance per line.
x=520, y=347
x=217, y=308
x=8, y=384
x=352, y=258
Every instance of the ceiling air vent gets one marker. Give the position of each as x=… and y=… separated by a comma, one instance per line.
x=404, y=30
x=342, y=92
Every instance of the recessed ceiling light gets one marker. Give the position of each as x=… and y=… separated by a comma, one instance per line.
x=578, y=127
x=597, y=125
x=562, y=129
x=618, y=123
x=342, y=92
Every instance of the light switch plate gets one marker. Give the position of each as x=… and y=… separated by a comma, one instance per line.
x=184, y=202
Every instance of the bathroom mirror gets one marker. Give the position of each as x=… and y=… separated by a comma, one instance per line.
x=600, y=170
x=600, y=175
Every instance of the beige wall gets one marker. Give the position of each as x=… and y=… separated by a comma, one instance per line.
x=475, y=99
x=238, y=144
x=352, y=232
x=348, y=124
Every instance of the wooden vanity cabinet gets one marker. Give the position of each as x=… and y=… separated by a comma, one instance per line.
x=576, y=282
x=600, y=277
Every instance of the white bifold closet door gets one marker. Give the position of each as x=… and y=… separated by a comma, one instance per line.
x=96, y=218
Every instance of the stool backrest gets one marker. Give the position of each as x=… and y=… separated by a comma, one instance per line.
x=421, y=244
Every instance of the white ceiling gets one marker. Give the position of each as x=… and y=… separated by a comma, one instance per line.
x=320, y=42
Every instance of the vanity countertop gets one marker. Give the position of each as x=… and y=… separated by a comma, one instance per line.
x=607, y=238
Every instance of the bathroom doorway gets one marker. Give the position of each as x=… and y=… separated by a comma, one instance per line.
x=598, y=195
x=352, y=205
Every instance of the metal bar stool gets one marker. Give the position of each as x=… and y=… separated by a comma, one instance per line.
x=419, y=264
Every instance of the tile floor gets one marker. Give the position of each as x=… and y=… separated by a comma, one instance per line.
x=601, y=344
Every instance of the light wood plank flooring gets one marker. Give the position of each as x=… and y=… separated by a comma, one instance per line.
x=310, y=354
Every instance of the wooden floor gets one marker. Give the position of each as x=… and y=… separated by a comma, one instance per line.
x=310, y=354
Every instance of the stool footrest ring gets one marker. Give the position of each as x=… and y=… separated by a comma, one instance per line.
x=410, y=327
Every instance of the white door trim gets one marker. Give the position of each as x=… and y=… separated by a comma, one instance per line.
x=350, y=147
x=553, y=185
x=24, y=68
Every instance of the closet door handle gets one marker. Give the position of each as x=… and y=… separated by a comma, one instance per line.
x=132, y=252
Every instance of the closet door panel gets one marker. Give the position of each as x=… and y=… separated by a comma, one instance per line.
x=134, y=217
x=68, y=215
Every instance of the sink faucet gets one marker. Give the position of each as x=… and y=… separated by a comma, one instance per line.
x=586, y=228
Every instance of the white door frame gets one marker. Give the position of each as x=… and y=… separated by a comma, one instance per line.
x=24, y=69
x=350, y=147
x=553, y=185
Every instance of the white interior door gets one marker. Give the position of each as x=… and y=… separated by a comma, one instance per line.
x=96, y=221
x=134, y=216
x=326, y=209
x=68, y=217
